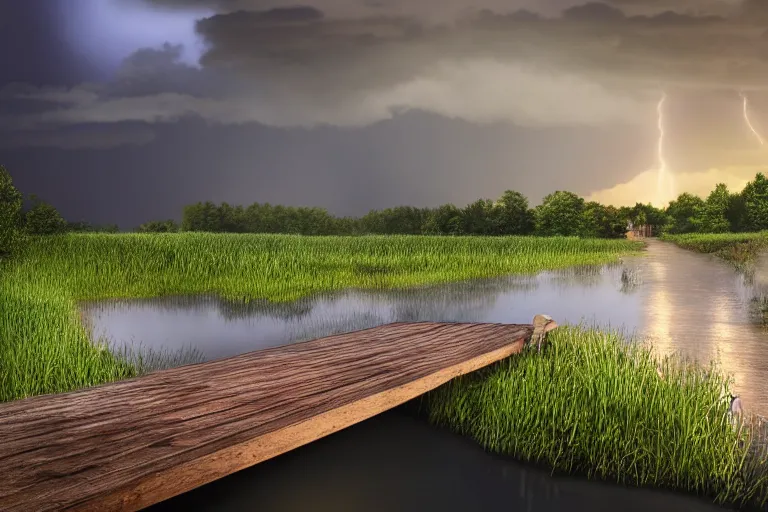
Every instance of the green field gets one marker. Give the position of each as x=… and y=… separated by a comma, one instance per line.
x=593, y=404
x=45, y=348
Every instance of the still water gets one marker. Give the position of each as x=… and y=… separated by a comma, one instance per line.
x=396, y=463
x=683, y=302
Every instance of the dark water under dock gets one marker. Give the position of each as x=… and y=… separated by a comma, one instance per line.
x=395, y=462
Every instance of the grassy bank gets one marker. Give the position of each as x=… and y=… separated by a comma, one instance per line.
x=593, y=404
x=740, y=249
x=44, y=347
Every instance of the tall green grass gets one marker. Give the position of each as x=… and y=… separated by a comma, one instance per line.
x=594, y=404
x=737, y=248
x=44, y=347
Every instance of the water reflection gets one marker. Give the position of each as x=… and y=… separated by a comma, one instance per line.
x=683, y=301
x=699, y=306
x=220, y=328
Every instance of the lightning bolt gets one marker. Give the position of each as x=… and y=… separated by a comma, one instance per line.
x=660, y=123
x=663, y=184
x=746, y=119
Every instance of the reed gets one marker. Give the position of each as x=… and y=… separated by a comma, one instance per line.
x=740, y=249
x=594, y=404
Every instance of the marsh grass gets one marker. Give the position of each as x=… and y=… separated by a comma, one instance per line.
x=45, y=348
x=594, y=404
x=740, y=249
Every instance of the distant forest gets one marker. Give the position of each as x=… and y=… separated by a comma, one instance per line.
x=560, y=213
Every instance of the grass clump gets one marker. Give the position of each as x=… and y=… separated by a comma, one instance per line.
x=741, y=249
x=44, y=348
x=594, y=404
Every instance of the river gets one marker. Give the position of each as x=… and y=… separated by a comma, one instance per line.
x=684, y=302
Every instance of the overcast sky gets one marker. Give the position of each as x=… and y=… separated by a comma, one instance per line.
x=125, y=110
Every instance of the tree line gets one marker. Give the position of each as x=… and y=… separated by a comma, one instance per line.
x=560, y=213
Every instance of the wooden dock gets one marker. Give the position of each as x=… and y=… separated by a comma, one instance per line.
x=130, y=444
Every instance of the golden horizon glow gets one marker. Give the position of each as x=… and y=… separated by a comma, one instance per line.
x=643, y=187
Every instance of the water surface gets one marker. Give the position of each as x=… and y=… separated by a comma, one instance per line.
x=682, y=301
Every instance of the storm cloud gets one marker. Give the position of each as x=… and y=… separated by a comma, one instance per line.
x=589, y=64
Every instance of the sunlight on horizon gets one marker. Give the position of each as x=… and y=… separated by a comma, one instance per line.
x=649, y=187
x=665, y=188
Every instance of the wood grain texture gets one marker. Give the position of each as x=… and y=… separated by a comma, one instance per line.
x=127, y=445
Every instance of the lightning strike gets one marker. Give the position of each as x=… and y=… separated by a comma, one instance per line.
x=746, y=119
x=664, y=184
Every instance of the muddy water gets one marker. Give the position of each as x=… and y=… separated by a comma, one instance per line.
x=684, y=302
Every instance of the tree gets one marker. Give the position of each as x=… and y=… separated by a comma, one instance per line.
x=443, y=220
x=684, y=213
x=560, y=213
x=756, y=203
x=646, y=214
x=231, y=219
x=477, y=218
x=655, y=217
x=737, y=212
x=10, y=214
x=201, y=217
x=714, y=213
x=43, y=219
x=600, y=221
x=514, y=216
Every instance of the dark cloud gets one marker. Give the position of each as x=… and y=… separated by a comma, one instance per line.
x=603, y=13
x=437, y=9
x=675, y=18
x=691, y=7
x=596, y=12
x=755, y=10
x=297, y=66
x=159, y=70
x=288, y=15
x=80, y=137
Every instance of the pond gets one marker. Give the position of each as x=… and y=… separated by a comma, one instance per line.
x=683, y=302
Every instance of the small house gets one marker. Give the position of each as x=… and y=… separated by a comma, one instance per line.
x=639, y=231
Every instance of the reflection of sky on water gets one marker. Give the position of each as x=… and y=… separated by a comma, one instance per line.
x=684, y=302
x=221, y=329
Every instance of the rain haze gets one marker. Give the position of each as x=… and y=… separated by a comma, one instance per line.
x=123, y=111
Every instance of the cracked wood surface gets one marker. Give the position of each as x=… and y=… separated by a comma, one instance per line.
x=130, y=444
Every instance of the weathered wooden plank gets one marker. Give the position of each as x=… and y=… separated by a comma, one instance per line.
x=127, y=445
